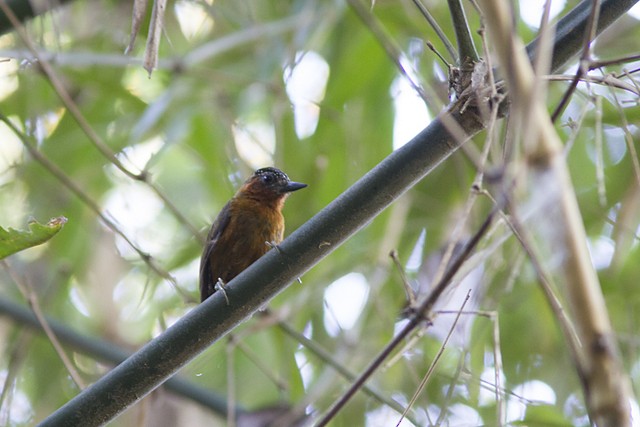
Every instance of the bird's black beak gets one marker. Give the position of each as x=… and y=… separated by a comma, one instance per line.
x=293, y=186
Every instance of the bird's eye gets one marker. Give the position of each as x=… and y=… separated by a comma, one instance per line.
x=267, y=179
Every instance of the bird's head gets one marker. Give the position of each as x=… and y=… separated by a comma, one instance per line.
x=269, y=185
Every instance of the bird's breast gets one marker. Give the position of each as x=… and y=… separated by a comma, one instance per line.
x=258, y=226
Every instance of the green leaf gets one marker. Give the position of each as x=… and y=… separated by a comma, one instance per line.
x=544, y=415
x=12, y=241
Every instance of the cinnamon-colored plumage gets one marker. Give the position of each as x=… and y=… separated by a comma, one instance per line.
x=245, y=227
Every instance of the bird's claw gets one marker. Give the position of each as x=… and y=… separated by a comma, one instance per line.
x=219, y=286
x=274, y=245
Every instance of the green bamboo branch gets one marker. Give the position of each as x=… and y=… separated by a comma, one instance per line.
x=467, y=53
x=357, y=206
x=110, y=353
x=434, y=24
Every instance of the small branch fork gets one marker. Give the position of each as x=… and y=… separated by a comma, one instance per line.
x=421, y=313
x=606, y=387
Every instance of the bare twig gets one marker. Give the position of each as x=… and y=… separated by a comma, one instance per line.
x=501, y=409
x=422, y=312
x=628, y=139
x=600, y=181
x=544, y=278
x=607, y=80
x=328, y=359
x=14, y=358
x=94, y=138
x=606, y=387
x=74, y=188
x=615, y=61
x=433, y=364
x=434, y=24
x=31, y=297
x=108, y=353
x=392, y=51
x=325, y=232
x=585, y=59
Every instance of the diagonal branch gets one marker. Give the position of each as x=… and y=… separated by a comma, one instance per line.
x=606, y=387
x=165, y=355
x=92, y=135
x=109, y=352
x=467, y=54
x=82, y=195
x=24, y=10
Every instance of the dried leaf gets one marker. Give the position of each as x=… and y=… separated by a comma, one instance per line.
x=153, y=40
x=139, y=10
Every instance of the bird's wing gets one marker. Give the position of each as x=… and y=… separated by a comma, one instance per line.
x=218, y=227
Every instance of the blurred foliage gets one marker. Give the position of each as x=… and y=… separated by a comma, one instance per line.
x=181, y=127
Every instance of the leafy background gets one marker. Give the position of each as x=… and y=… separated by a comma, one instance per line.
x=201, y=123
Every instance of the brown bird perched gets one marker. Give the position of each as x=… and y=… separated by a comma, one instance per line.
x=245, y=229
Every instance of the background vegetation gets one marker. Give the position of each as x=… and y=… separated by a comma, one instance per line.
x=310, y=87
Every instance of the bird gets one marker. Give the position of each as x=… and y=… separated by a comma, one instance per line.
x=248, y=226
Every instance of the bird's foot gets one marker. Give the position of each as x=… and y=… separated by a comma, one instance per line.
x=219, y=286
x=274, y=245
